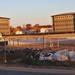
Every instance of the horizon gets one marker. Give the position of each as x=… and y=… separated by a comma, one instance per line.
x=34, y=12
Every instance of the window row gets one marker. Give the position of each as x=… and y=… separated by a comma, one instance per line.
x=3, y=20
x=4, y=28
x=4, y=24
x=63, y=20
x=65, y=29
x=67, y=16
x=63, y=24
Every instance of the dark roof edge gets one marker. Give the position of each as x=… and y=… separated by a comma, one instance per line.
x=72, y=13
x=4, y=18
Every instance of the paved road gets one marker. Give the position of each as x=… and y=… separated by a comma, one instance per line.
x=26, y=73
x=17, y=70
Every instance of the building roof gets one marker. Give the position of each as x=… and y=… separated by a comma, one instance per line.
x=4, y=18
x=45, y=26
x=72, y=13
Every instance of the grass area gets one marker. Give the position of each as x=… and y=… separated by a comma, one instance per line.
x=47, y=64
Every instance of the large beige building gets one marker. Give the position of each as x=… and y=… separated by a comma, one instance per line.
x=64, y=22
x=4, y=25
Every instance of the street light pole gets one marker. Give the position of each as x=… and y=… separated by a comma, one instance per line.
x=5, y=51
x=13, y=43
x=18, y=43
x=43, y=46
x=43, y=41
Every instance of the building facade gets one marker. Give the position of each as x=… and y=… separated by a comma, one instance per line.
x=64, y=22
x=45, y=30
x=4, y=25
x=37, y=28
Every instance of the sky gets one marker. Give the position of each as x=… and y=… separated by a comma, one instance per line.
x=33, y=12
